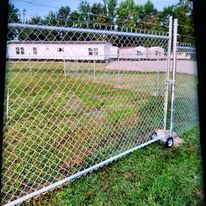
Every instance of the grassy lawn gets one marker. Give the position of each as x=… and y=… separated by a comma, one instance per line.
x=153, y=176
x=60, y=124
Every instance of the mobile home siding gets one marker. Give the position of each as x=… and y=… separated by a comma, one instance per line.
x=57, y=51
x=133, y=53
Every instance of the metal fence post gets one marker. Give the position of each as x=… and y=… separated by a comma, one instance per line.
x=158, y=75
x=7, y=105
x=174, y=67
x=167, y=75
x=30, y=63
x=65, y=72
x=94, y=70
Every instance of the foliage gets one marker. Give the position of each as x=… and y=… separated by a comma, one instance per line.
x=125, y=14
x=128, y=13
x=182, y=11
x=13, y=13
x=152, y=175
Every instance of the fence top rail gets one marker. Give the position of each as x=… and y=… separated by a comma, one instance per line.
x=187, y=48
x=83, y=30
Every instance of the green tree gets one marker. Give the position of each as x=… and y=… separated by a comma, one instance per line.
x=13, y=13
x=148, y=16
x=97, y=13
x=51, y=19
x=74, y=18
x=183, y=11
x=105, y=7
x=149, y=10
x=112, y=8
x=84, y=10
x=36, y=20
x=128, y=13
x=96, y=10
x=63, y=12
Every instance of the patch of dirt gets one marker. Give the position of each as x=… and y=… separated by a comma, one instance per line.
x=129, y=121
x=76, y=159
x=178, y=141
x=160, y=132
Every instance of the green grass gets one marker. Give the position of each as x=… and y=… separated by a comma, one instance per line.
x=151, y=176
x=52, y=118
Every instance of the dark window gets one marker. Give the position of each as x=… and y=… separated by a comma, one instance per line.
x=22, y=50
x=95, y=51
x=60, y=49
x=139, y=53
x=90, y=50
x=35, y=50
x=157, y=53
x=17, y=50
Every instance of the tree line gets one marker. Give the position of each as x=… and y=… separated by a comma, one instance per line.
x=127, y=14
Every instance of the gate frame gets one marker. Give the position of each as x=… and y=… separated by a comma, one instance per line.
x=173, y=82
x=169, y=139
x=167, y=77
x=157, y=138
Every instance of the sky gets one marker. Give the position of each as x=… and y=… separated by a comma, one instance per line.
x=42, y=7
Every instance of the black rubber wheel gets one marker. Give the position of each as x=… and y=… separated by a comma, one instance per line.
x=169, y=142
x=154, y=134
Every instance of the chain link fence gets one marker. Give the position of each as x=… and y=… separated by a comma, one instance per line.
x=186, y=112
x=81, y=96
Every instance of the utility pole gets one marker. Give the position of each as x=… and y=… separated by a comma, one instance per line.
x=24, y=14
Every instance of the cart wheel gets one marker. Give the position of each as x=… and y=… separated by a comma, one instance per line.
x=169, y=142
x=154, y=134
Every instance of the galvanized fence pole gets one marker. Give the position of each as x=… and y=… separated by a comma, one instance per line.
x=7, y=104
x=167, y=75
x=30, y=67
x=174, y=67
x=118, y=81
x=158, y=75
x=65, y=72
x=94, y=70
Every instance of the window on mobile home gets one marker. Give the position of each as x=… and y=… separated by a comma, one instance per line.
x=22, y=50
x=95, y=51
x=139, y=53
x=60, y=49
x=90, y=51
x=17, y=50
x=157, y=53
x=35, y=50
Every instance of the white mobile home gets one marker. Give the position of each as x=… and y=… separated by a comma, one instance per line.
x=183, y=56
x=58, y=50
x=114, y=51
x=132, y=53
x=155, y=52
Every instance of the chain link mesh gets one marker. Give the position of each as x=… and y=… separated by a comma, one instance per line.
x=186, y=112
x=77, y=95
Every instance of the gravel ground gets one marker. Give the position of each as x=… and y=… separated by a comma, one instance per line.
x=183, y=66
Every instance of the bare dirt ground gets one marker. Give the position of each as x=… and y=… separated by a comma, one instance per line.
x=183, y=66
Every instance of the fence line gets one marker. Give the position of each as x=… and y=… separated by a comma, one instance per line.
x=71, y=29
x=69, y=117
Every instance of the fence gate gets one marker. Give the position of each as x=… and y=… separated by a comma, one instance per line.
x=79, y=97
